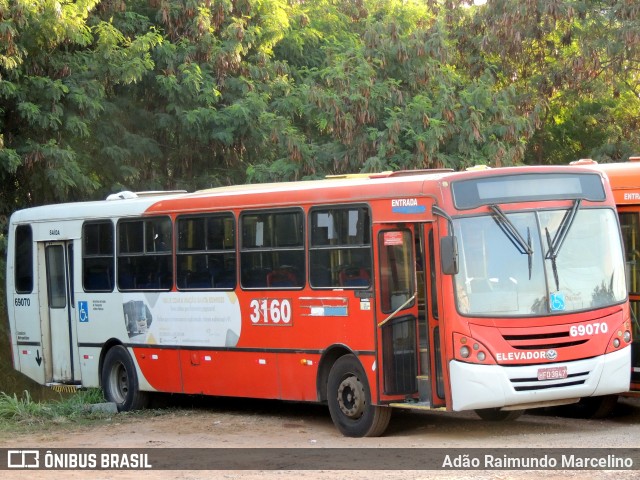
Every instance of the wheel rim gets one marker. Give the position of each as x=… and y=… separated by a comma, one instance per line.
x=119, y=383
x=351, y=398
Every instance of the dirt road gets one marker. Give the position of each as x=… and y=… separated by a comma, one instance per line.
x=225, y=423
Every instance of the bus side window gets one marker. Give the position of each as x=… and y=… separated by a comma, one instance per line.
x=282, y=277
x=340, y=247
x=97, y=256
x=206, y=247
x=24, y=259
x=319, y=275
x=354, y=277
x=272, y=250
x=145, y=259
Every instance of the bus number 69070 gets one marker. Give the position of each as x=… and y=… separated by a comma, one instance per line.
x=22, y=302
x=588, y=329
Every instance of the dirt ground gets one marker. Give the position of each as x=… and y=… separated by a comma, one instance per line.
x=225, y=423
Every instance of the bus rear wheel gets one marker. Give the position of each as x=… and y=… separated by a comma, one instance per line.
x=349, y=399
x=120, y=381
x=497, y=415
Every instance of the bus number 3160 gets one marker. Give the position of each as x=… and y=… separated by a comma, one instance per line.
x=268, y=311
x=589, y=329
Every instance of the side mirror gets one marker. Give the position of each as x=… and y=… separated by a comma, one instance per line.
x=449, y=255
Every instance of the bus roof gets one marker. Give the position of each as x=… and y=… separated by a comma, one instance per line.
x=624, y=178
x=334, y=189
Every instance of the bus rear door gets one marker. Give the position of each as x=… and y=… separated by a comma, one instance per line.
x=58, y=338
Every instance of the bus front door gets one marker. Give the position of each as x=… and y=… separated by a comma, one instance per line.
x=57, y=328
x=398, y=310
x=407, y=313
x=432, y=380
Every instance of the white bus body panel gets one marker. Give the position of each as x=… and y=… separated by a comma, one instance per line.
x=489, y=386
x=26, y=337
x=29, y=313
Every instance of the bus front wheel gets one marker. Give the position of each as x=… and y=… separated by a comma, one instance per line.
x=349, y=399
x=120, y=381
x=592, y=407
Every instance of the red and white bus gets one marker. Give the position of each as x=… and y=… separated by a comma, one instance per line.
x=624, y=178
x=494, y=290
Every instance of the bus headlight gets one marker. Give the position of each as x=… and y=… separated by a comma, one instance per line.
x=470, y=350
x=626, y=337
x=622, y=336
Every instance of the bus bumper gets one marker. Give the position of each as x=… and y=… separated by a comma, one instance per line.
x=476, y=386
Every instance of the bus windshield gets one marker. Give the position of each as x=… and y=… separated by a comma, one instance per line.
x=538, y=262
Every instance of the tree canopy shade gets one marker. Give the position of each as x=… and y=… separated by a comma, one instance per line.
x=98, y=96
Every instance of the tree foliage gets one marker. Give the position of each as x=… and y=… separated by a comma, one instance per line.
x=97, y=96
x=578, y=62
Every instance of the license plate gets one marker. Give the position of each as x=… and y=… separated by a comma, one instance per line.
x=552, y=373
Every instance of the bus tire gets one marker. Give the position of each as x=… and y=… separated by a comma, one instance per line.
x=349, y=399
x=497, y=415
x=120, y=381
x=594, y=407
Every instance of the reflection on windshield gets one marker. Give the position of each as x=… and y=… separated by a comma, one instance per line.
x=500, y=276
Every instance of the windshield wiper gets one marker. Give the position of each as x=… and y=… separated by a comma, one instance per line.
x=551, y=255
x=510, y=230
x=556, y=244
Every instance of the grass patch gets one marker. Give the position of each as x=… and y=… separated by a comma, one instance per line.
x=22, y=413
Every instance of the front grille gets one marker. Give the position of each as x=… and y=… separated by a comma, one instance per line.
x=529, y=388
x=542, y=341
x=532, y=383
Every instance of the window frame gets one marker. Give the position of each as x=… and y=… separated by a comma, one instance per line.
x=341, y=249
x=99, y=255
x=23, y=261
x=287, y=277
x=206, y=251
x=166, y=253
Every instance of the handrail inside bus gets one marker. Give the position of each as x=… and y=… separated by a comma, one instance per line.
x=395, y=312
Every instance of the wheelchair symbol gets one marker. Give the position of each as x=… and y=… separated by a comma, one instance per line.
x=557, y=302
x=83, y=311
